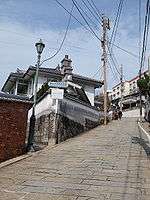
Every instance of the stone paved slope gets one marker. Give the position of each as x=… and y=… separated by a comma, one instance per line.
x=103, y=164
x=133, y=113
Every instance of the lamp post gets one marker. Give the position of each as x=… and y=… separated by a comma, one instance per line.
x=39, y=47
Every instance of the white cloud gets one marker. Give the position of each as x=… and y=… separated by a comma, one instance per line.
x=18, y=50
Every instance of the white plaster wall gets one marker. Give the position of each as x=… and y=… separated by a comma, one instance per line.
x=45, y=106
x=90, y=92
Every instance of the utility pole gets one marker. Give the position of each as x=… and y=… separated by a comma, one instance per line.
x=121, y=90
x=105, y=26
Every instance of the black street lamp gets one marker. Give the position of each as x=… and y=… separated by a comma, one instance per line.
x=39, y=47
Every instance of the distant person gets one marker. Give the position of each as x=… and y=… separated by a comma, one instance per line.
x=120, y=114
x=115, y=115
x=111, y=114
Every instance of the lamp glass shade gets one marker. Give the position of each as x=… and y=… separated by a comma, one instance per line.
x=40, y=46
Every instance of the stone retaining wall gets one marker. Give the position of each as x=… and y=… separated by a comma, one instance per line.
x=45, y=129
x=70, y=118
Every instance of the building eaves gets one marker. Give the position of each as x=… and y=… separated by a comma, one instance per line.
x=52, y=71
x=12, y=75
x=58, y=72
x=87, y=79
x=17, y=98
x=43, y=69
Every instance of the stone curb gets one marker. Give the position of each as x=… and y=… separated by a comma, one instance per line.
x=14, y=160
x=144, y=131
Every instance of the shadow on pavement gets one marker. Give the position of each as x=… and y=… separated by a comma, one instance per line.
x=143, y=143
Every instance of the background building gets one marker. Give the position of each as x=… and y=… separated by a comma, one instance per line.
x=130, y=93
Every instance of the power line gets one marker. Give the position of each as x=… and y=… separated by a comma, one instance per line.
x=85, y=20
x=125, y=50
x=139, y=31
x=145, y=35
x=93, y=33
x=114, y=62
x=95, y=74
x=64, y=38
x=86, y=14
x=114, y=32
x=92, y=13
x=112, y=59
x=71, y=15
x=96, y=9
x=114, y=77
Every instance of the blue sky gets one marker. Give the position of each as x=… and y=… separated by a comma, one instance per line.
x=23, y=22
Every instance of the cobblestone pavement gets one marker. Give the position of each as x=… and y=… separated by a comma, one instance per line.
x=146, y=126
x=103, y=164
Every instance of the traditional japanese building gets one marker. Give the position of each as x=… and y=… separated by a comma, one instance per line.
x=22, y=82
x=65, y=101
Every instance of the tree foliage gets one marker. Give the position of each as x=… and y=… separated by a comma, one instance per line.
x=144, y=84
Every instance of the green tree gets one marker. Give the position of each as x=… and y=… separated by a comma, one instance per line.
x=144, y=84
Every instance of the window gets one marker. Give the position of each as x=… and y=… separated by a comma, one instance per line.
x=22, y=89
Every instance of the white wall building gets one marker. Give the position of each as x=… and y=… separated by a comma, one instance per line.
x=22, y=82
x=116, y=90
x=129, y=87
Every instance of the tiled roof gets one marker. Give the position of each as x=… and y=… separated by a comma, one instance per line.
x=55, y=71
x=11, y=97
x=44, y=69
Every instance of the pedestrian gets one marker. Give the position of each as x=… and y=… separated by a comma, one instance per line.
x=120, y=114
x=115, y=115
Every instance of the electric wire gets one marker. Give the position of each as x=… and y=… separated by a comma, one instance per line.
x=91, y=12
x=116, y=24
x=112, y=59
x=85, y=20
x=86, y=14
x=114, y=76
x=125, y=50
x=64, y=38
x=95, y=74
x=139, y=18
x=94, y=34
x=60, y=4
x=145, y=35
x=96, y=9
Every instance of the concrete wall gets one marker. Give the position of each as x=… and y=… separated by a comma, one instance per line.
x=44, y=107
x=59, y=120
x=74, y=118
x=90, y=92
x=45, y=120
x=13, y=122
